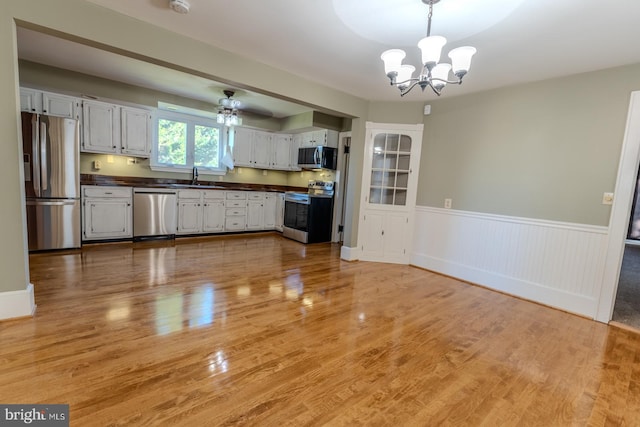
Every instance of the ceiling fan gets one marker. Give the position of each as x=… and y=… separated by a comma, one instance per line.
x=230, y=109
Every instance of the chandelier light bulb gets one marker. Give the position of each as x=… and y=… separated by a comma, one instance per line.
x=433, y=73
x=431, y=48
x=461, y=59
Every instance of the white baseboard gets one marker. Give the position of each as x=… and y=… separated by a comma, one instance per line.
x=17, y=303
x=349, y=254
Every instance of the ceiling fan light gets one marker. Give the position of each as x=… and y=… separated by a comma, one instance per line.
x=461, y=59
x=431, y=48
x=392, y=59
x=220, y=117
x=440, y=71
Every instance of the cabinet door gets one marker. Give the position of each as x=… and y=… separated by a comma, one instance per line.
x=189, y=217
x=30, y=100
x=279, y=212
x=100, y=127
x=135, y=125
x=106, y=219
x=59, y=105
x=281, y=146
x=213, y=216
x=373, y=236
x=262, y=150
x=395, y=236
x=319, y=137
x=242, y=147
x=307, y=139
x=296, y=143
x=270, y=206
x=255, y=215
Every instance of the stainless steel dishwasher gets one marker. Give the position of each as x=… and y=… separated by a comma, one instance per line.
x=154, y=213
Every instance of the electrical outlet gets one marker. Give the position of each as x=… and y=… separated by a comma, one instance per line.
x=97, y=165
x=607, y=199
x=447, y=203
x=264, y=172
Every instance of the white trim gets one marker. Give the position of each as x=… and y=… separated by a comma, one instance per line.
x=600, y=229
x=395, y=126
x=349, y=254
x=554, y=263
x=621, y=210
x=17, y=303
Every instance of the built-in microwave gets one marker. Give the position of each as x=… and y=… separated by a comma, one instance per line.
x=319, y=157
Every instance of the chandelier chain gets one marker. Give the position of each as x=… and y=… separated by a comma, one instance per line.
x=429, y=18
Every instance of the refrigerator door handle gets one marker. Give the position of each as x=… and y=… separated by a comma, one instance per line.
x=35, y=139
x=43, y=156
x=41, y=202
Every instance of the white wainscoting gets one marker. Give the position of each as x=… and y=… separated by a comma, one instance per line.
x=554, y=263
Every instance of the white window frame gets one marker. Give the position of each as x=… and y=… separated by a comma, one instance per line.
x=192, y=121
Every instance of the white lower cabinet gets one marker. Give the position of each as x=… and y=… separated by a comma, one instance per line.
x=270, y=213
x=255, y=211
x=385, y=236
x=106, y=213
x=279, y=224
x=213, y=212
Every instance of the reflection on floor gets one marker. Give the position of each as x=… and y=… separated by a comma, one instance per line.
x=627, y=308
x=261, y=330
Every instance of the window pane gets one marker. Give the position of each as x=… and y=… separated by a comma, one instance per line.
x=207, y=143
x=172, y=142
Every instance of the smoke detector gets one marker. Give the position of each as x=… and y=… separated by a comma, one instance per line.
x=180, y=6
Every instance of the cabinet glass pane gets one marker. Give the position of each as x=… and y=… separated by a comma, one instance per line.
x=405, y=143
x=403, y=162
x=402, y=180
x=391, y=162
x=401, y=198
x=378, y=161
x=379, y=142
x=375, y=194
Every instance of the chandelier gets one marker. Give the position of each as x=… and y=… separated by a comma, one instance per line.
x=434, y=73
x=228, y=110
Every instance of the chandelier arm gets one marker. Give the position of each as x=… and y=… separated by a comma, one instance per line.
x=453, y=82
x=403, y=92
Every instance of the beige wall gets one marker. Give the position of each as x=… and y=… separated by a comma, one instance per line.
x=545, y=150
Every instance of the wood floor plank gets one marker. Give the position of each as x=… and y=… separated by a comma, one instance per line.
x=260, y=330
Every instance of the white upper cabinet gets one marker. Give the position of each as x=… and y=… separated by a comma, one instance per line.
x=326, y=137
x=115, y=129
x=243, y=147
x=262, y=150
x=100, y=127
x=135, y=125
x=281, y=152
x=51, y=104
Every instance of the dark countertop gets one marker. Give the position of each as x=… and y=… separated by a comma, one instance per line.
x=129, y=181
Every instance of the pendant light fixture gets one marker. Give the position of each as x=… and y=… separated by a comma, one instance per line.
x=433, y=73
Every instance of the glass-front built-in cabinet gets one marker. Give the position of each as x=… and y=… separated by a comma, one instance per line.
x=389, y=180
x=390, y=169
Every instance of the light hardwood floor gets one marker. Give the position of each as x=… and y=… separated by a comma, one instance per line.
x=260, y=330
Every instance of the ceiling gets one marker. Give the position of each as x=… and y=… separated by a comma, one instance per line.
x=338, y=43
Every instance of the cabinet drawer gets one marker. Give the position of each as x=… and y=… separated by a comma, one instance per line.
x=106, y=192
x=189, y=194
x=235, y=211
x=236, y=195
x=256, y=196
x=236, y=203
x=234, y=223
x=213, y=195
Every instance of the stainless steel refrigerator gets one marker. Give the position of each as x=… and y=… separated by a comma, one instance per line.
x=51, y=153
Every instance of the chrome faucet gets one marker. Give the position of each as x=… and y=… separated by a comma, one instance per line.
x=194, y=175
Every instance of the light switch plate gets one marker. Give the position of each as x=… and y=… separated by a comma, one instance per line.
x=447, y=203
x=607, y=199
